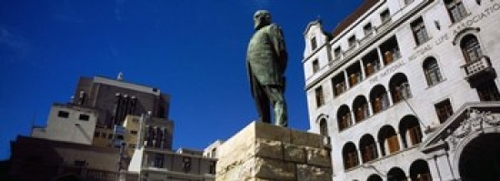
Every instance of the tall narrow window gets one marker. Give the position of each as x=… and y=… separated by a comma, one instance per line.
x=350, y=155
x=315, y=66
x=320, y=100
x=419, y=31
x=211, y=170
x=443, y=110
x=393, y=143
x=456, y=9
x=314, y=44
x=323, y=127
x=186, y=164
x=343, y=117
x=368, y=148
x=158, y=162
x=360, y=109
x=471, y=48
x=415, y=135
x=432, y=72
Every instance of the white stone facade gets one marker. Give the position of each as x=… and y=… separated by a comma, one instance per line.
x=68, y=123
x=386, y=87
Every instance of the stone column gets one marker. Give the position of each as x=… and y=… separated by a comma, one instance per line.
x=264, y=152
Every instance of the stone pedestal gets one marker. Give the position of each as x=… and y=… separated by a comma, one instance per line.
x=264, y=152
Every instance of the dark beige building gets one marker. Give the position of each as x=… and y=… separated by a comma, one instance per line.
x=115, y=99
x=35, y=159
x=86, y=139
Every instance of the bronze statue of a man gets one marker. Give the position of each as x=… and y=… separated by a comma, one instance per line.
x=266, y=63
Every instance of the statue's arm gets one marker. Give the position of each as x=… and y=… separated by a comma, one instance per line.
x=278, y=40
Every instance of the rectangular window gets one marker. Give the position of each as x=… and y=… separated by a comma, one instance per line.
x=432, y=72
x=211, y=170
x=419, y=31
x=320, y=100
x=338, y=52
x=314, y=44
x=133, y=132
x=352, y=41
x=443, y=110
x=63, y=114
x=110, y=136
x=96, y=134
x=158, y=162
x=84, y=117
x=456, y=10
x=488, y=91
x=315, y=66
x=385, y=16
x=368, y=29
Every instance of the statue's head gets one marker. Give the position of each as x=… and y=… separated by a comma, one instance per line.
x=261, y=18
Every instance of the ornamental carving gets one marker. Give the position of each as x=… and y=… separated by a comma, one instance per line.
x=475, y=121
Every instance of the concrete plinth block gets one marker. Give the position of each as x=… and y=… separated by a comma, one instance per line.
x=264, y=152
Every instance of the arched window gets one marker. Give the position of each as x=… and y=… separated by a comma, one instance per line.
x=432, y=72
x=410, y=131
x=471, y=48
x=344, y=117
x=350, y=155
x=323, y=127
x=379, y=99
x=360, y=108
x=400, y=88
x=389, y=142
x=368, y=148
x=374, y=177
x=396, y=174
x=419, y=171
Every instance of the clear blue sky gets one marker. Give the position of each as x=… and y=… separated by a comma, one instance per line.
x=193, y=50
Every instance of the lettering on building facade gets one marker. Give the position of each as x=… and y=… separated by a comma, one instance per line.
x=465, y=23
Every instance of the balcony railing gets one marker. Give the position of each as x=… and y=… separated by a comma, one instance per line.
x=478, y=68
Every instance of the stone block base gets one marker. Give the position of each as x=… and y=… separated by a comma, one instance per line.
x=264, y=152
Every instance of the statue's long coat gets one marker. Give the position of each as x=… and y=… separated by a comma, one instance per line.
x=267, y=57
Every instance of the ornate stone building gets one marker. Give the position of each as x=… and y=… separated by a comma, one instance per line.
x=408, y=90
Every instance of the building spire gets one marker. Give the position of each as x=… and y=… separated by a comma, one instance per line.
x=120, y=76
